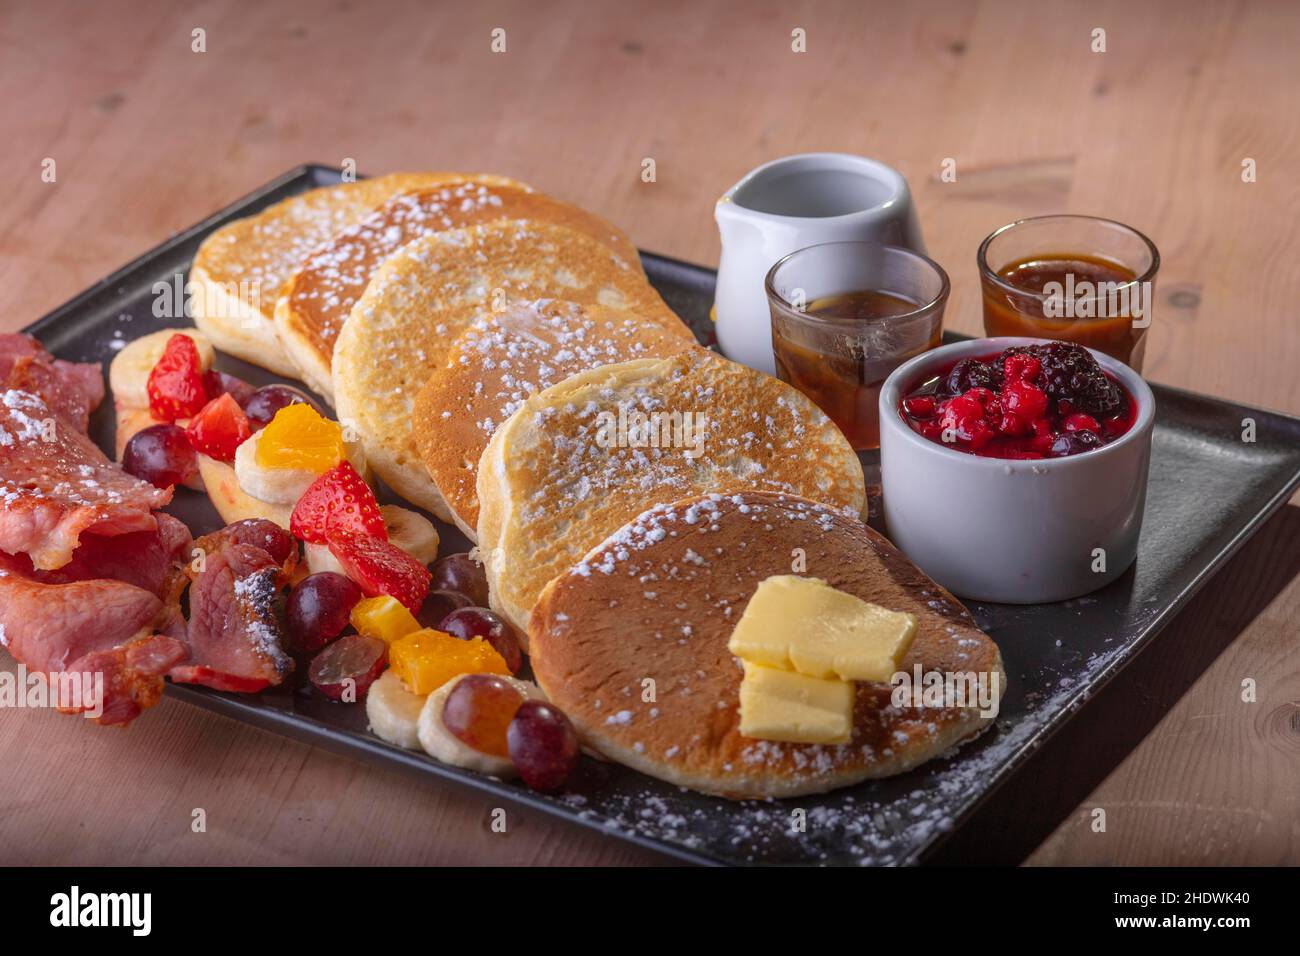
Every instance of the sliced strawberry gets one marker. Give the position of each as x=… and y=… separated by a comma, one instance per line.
x=338, y=500
x=381, y=568
x=176, y=387
x=219, y=428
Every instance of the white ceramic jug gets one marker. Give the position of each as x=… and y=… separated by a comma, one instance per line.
x=788, y=204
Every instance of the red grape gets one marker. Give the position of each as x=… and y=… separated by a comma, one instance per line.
x=318, y=610
x=478, y=711
x=470, y=622
x=460, y=572
x=219, y=383
x=264, y=534
x=438, y=604
x=269, y=399
x=161, y=455
x=353, y=662
x=543, y=745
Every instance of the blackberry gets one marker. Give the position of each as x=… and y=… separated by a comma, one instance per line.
x=1071, y=373
x=972, y=373
x=1074, y=443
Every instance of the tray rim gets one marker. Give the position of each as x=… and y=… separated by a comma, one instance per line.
x=350, y=743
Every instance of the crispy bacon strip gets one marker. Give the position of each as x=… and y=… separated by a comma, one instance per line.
x=72, y=389
x=235, y=630
x=97, y=626
x=56, y=485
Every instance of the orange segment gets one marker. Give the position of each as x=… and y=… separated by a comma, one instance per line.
x=298, y=437
x=428, y=659
x=383, y=617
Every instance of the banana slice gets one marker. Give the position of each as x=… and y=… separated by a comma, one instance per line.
x=394, y=712
x=321, y=558
x=282, y=486
x=230, y=500
x=412, y=532
x=128, y=375
x=441, y=744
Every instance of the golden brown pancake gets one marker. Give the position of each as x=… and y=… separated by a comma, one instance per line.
x=316, y=301
x=658, y=601
x=239, y=271
x=582, y=458
x=497, y=363
x=434, y=288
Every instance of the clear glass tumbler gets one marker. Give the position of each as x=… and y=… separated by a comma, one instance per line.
x=1074, y=278
x=845, y=315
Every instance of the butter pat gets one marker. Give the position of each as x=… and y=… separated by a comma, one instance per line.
x=782, y=705
x=805, y=625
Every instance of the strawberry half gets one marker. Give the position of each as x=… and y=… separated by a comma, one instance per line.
x=219, y=428
x=381, y=568
x=338, y=500
x=176, y=387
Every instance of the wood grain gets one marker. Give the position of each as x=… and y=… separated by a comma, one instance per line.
x=149, y=137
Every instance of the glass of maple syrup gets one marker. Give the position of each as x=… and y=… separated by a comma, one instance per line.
x=845, y=315
x=1073, y=278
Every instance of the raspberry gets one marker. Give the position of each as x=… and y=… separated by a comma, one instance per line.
x=1020, y=367
x=919, y=406
x=1024, y=400
x=1013, y=425
x=978, y=433
x=960, y=410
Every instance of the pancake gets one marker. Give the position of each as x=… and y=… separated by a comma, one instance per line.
x=497, y=363
x=659, y=599
x=554, y=481
x=434, y=288
x=239, y=270
x=316, y=300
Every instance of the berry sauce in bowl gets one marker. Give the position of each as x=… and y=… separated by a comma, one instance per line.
x=1027, y=402
x=1037, y=495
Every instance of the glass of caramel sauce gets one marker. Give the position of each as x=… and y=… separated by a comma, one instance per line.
x=1074, y=278
x=845, y=315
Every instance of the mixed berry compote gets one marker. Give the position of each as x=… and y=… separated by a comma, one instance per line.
x=1029, y=401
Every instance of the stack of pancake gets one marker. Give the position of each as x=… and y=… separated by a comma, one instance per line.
x=508, y=366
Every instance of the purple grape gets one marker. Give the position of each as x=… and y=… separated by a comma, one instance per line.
x=161, y=455
x=318, y=610
x=269, y=399
x=543, y=745
x=467, y=623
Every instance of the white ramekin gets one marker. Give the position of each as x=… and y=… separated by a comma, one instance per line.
x=1010, y=531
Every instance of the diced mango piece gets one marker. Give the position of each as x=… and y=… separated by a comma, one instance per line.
x=805, y=625
x=383, y=617
x=427, y=659
x=782, y=705
x=299, y=437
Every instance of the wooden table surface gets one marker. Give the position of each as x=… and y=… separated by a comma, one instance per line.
x=149, y=137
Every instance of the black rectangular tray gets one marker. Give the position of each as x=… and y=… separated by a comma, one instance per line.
x=1209, y=492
